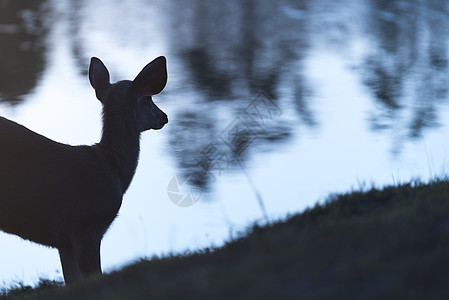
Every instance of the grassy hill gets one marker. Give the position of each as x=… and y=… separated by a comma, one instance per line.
x=390, y=243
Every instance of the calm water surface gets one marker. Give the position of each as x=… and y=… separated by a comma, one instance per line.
x=273, y=105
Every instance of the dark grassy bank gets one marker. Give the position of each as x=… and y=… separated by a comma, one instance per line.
x=391, y=243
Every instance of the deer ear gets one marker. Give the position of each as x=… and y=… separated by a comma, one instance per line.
x=152, y=79
x=98, y=76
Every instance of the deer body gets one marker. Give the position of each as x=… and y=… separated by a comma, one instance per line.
x=67, y=196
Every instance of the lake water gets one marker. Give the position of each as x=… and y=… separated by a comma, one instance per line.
x=272, y=105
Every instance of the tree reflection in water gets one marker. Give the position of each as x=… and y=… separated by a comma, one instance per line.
x=407, y=69
x=23, y=30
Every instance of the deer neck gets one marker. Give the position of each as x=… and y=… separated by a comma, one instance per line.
x=120, y=142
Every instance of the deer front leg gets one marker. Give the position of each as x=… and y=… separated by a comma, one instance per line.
x=70, y=267
x=82, y=259
x=89, y=256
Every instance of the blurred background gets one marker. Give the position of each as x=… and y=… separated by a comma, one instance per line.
x=272, y=106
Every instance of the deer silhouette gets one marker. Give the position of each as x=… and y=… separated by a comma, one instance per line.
x=66, y=196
